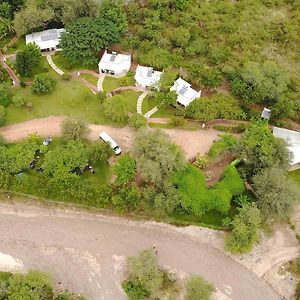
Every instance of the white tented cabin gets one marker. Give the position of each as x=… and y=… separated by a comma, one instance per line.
x=186, y=94
x=115, y=63
x=146, y=77
x=47, y=40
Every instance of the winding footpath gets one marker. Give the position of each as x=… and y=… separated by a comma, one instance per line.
x=87, y=252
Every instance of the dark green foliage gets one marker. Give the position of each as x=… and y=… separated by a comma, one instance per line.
x=215, y=107
x=3, y=75
x=3, y=114
x=276, y=193
x=244, y=229
x=113, y=10
x=5, y=95
x=116, y=109
x=138, y=121
x=231, y=181
x=260, y=149
x=74, y=129
x=156, y=156
x=100, y=151
x=125, y=169
x=128, y=198
x=261, y=83
x=85, y=37
x=165, y=99
x=134, y=291
x=28, y=59
x=198, y=289
x=43, y=84
x=195, y=197
x=225, y=144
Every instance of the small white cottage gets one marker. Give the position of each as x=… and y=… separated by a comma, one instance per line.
x=45, y=40
x=186, y=94
x=146, y=77
x=115, y=63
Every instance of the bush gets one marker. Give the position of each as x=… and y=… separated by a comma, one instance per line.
x=43, y=84
x=22, y=84
x=5, y=95
x=18, y=101
x=137, y=121
x=3, y=114
x=177, y=121
x=116, y=109
x=101, y=96
x=125, y=169
x=74, y=130
x=198, y=289
x=226, y=143
x=201, y=161
x=66, y=76
x=232, y=129
x=134, y=291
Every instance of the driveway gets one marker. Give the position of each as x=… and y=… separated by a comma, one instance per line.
x=192, y=142
x=86, y=252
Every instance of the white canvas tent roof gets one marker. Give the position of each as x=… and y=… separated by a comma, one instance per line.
x=293, y=140
x=186, y=94
x=115, y=62
x=46, y=39
x=146, y=76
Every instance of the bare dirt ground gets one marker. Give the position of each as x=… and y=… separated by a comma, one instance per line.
x=86, y=252
x=192, y=142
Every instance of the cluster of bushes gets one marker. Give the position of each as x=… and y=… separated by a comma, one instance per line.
x=146, y=279
x=33, y=285
x=197, y=199
x=225, y=144
x=231, y=128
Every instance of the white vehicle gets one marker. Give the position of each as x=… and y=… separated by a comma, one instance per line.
x=108, y=139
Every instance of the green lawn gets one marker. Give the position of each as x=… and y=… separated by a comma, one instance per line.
x=149, y=102
x=19, y=45
x=130, y=98
x=90, y=78
x=112, y=83
x=295, y=175
x=70, y=98
x=69, y=67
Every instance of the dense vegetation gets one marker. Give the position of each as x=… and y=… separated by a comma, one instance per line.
x=33, y=285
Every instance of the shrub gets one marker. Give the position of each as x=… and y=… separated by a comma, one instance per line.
x=201, y=161
x=22, y=83
x=43, y=84
x=5, y=95
x=116, y=109
x=66, y=76
x=125, y=169
x=226, y=143
x=198, y=289
x=232, y=129
x=137, y=121
x=74, y=130
x=3, y=114
x=101, y=96
x=177, y=121
x=18, y=101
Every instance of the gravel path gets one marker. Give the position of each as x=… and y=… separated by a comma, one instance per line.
x=86, y=252
x=192, y=142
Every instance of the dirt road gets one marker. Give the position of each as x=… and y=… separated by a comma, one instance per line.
x=87, y=252
x=192, y=142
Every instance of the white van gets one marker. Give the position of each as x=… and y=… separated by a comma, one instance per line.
x=108, y=139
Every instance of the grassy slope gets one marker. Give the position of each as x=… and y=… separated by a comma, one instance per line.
x=295, y=175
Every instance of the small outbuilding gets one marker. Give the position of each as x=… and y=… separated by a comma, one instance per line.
x=46, y=40
x=266, y=114
x=146, y=77
x=186, y=94
x=115, y=63
x=292, y=139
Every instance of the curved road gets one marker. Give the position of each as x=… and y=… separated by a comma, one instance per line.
x=86, y=251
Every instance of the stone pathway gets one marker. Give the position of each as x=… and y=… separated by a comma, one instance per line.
x=100, y=82
x=140, y=102
x=151, y=112
x=53, y=65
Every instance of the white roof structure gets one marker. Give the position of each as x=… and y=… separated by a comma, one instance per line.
x=47, y=39
x=266, y=113
x=293, y=140
x=115, y=62
x=186, y=94
x=147, y=77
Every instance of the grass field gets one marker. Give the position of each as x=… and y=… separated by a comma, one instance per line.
x=112, y=83
x=149, y=102
x=67, y=66
x=70, y=98
x=295, y=175
x=90, y=78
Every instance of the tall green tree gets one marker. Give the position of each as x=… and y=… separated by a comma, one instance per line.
x=28, y=59
x=276, y=193
x=259, y=149
x=157, y=157
x=86, y=37
x=113, y=10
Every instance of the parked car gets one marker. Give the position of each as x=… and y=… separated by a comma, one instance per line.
x=108, y=139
